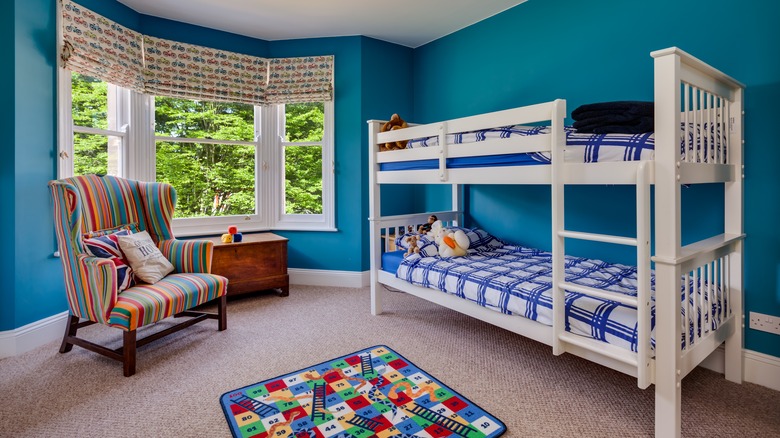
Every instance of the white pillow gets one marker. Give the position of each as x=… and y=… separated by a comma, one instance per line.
x=148, y=263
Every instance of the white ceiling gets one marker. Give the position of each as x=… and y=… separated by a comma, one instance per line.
x=410, y=23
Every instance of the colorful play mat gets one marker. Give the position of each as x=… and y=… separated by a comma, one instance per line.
x=372, y=392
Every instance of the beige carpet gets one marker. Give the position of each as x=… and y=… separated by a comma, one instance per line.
x=179, y=379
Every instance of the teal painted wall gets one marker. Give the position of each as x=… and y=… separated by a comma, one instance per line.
x=35, y=284
x=188, y=33
x=339, y=250
x=387, y=89
x=7, y=183
x=599, y=51
x=535, y=52
x=29, y=162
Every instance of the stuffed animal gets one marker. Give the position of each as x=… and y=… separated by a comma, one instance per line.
x=413, y=247
x=453, y=244
x=436, y=230
x=394, y=123
x=424, y=228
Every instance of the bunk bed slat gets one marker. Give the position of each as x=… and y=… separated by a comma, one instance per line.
x=606, y=238
x=599, y=293
x=617, y=353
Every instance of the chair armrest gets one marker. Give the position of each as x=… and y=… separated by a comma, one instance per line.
x=188, y=256
x=97, y=293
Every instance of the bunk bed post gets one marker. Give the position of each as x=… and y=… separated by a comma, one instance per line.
x=374, y=201
x=667, y=245
x=734, y=194
x=457, y=204
x=558, y=139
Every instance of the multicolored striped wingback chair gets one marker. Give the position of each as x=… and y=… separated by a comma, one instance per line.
x=91, y=205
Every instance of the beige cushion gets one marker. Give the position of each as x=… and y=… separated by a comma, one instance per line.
x=148, y=263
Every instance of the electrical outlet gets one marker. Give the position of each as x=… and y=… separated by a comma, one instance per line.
x=765, y=323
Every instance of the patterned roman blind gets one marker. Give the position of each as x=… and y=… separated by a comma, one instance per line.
x=98, y=47
x=294, y=80
x=194, y=72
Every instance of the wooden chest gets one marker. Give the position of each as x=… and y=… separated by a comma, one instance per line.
x=259, y=262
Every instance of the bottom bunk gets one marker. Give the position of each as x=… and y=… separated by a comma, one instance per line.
x=510, y=286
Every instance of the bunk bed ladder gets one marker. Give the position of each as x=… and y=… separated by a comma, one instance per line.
x=641, y=358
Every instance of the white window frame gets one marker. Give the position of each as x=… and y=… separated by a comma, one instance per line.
x=219, y=224
x=325, y=220
x=118, y=114
x=134, y=113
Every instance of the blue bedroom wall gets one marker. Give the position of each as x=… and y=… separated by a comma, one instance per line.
x=29, y=163
x=27, y=213
x=7, y=183
x=339, y=250
x=599, y=51
x=387, y=89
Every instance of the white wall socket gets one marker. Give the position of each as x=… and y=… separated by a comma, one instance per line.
x=765, y=323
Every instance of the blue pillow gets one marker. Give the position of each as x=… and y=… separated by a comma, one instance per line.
x=107, y=246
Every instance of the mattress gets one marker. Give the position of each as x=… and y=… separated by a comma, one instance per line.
x=580, y=148
x=517, y=280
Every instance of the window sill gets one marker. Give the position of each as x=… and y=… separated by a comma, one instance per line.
x=212, y=230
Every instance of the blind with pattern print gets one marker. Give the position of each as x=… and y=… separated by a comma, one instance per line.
x=98, y=47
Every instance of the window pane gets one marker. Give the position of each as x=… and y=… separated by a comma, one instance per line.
x=210, y=180
x=304, y=121
x=200, y=119
x=96, y=154
x=90, y=101
x=303, y=180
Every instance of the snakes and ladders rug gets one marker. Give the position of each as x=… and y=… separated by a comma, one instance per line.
x=372, y=392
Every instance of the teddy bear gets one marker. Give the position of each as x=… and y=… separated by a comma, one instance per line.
x=394, y=123
x=413, y=247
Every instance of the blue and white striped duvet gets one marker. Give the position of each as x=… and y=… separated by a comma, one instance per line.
x=517, y=280
x=580, y=147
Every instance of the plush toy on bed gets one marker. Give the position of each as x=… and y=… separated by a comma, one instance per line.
x=451, y=243
x=424, y=228
x=395, y=122
x=413, y=248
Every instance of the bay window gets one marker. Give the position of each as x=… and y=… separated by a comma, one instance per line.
x=257, y=167
x=244, y=140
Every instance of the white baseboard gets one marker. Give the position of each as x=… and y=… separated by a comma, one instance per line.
x=315, y=277
x=759, y=368
x=33, y=335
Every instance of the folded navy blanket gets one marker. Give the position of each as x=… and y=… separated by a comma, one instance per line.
x=627, y=108
x=624, y=117
x=605, y=126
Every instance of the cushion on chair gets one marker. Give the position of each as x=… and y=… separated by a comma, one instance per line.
x=148, y=263
x=132, y=228
x=148, y=303
x=107, y=246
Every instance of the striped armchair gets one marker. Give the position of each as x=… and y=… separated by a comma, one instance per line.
x=93, y=205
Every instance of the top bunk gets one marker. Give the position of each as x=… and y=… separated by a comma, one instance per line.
x=695, y=136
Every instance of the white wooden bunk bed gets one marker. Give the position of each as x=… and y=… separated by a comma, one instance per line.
x=688, y=94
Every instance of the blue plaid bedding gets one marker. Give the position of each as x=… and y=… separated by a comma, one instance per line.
x=580, y=147
x=517, y=280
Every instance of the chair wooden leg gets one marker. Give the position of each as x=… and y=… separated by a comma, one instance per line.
x=222, y=311
x=128, y=352
x=70, y=331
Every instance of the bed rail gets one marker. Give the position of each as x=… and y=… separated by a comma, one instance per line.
x=707, y=104
x=548, y=112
